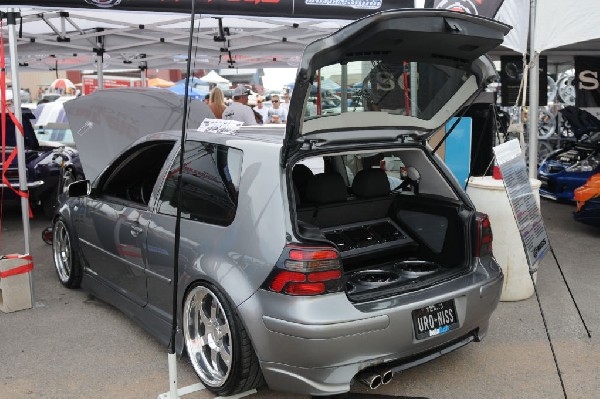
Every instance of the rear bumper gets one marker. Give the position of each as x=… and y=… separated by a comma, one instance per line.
x=334, y=380
x=317, y=345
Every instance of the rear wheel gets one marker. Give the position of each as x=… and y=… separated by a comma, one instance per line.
x=66, y=259
x=217, y=343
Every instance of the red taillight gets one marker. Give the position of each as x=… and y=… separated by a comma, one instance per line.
x=307, y=271
x=305, y=289
x=484, y=235
x=313, y=254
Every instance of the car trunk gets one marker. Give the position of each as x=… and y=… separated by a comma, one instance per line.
x=390, y=241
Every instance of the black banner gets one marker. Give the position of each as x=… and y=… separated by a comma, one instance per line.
x=587, y=82
x=484, y=8
x=511, y=75
x=329, y=9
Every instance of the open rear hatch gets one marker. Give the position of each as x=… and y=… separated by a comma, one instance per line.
x=415, y=68
x=398, y=220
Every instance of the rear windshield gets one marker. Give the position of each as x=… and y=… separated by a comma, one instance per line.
x=418, y=89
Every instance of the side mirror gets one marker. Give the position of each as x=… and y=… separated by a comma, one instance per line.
x=79, y=188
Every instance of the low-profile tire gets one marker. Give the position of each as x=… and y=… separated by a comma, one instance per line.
x=217, y=343
x=66, y=258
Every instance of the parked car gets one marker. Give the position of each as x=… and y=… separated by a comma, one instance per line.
x=44, y=161
x=307, y=280
x=588, y=202
x=569, y=167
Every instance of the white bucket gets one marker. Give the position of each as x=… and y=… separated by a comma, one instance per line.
x=489, y=196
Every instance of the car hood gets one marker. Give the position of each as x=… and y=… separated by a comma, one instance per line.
x=439, y=45
x=108, y=121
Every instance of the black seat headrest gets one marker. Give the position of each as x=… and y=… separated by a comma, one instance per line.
x=369, y=183
x=301, y=174
x=325, y=188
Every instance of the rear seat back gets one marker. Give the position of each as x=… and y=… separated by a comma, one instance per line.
x=321, y=189
x=372, y=189
x=327, y=203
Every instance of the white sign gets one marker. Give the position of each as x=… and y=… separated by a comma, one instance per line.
x=219, y=126
x=522, y=200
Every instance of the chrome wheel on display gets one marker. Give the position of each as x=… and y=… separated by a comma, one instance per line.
x=566, y=88
x=208, y=338
x=546, y=124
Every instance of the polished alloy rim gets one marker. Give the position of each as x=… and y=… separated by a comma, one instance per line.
x=61, y=246
x=207, y=336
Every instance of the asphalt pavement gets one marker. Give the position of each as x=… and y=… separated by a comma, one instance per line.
x=71, y=345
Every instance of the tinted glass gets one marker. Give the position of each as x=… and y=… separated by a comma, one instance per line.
x=210, y=184
x=418, y=89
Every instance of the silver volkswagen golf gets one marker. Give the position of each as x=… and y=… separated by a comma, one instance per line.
x=335, y=249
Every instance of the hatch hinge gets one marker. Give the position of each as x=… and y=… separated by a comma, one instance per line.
x=452, y=26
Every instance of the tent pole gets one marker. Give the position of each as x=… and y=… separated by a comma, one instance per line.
x=534, y=80
x=100, y=73
x=11, y=17
x=344, y=105
x=143, y=68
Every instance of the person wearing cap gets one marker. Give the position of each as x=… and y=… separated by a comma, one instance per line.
x=239, y=110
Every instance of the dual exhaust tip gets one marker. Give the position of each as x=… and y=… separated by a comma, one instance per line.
x=374, y=380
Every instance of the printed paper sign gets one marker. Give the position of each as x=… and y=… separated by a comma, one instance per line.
x=219, y=126
x=523, y=203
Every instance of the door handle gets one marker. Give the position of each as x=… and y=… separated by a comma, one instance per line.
x=136, y=230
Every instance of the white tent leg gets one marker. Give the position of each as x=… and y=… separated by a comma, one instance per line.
x=14, y=69
x=534, y=78
x=175, y=393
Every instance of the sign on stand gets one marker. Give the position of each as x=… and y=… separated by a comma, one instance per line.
x=522, y=200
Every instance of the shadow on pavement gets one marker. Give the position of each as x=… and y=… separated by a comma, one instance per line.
x=366, y=396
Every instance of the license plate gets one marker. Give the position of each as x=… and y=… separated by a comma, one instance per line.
x=435, y=319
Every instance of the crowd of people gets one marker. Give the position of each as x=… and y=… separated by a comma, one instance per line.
x=240, y=110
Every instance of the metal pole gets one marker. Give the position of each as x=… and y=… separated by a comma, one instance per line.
x=11, y=17
x=534, y=80
x=414, y=89
x=344, y=88
x=143, y=75
x=100, y=73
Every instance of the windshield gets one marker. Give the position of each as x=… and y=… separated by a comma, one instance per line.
x=417, y=89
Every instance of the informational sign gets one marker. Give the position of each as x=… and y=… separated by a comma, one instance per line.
x=587, y=81
x=220, y=126
x=90, y=83
x=523, y=202
x=511, y=76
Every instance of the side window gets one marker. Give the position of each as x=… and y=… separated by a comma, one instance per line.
x=134, y=174
x=209, y=186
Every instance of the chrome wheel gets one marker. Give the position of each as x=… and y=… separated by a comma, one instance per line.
x=61, y=248
x=207, y=336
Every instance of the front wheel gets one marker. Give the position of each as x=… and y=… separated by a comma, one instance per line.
x=66, y=259
x=217, y=343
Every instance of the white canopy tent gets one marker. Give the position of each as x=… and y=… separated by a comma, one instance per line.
x=560, y=29
x=213, y=77
x=72, y=38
